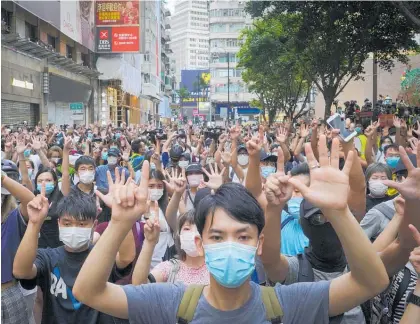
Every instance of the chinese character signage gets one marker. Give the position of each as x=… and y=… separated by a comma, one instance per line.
x=117, y=26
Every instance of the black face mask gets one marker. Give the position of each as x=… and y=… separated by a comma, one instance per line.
x=325, y=251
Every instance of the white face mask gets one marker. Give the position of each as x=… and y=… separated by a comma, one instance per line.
x=55, y=160
x=195, y=179
x=112, y=160
x=377, y=188
x=183, y=164
x=155, y=194
x=243, y=159
x=87, y=177
x=75, y=237
x=188, y=243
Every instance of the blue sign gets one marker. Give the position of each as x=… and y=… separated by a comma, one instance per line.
x=243, y=108
x=190, y=79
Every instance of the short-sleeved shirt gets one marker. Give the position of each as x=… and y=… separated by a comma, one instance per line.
x=374, y=222
x=353, y=316
x=187, y=275
x=12, y=231
x=57, y=270
x=101, y=177
x=293, y=241
x=158, y=303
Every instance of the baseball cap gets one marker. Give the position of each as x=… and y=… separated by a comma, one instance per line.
x=307, y=209
x=114, y=152
x=401, y=167
x=267, y=157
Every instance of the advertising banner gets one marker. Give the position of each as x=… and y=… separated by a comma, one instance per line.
x=117, y=39
x=117, y=26
x=197, y=83
x=77, y=21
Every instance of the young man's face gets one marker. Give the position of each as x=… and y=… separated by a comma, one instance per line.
x=392, y=152
x=68, y=221
x=224, y=228
x=85, y=168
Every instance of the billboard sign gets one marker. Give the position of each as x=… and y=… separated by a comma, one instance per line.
x=197, y=82
x=117, y=26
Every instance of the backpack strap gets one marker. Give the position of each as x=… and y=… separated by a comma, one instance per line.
x=174, y=270
x=286, y=221
x=401, y=288
x=306, y=273
x=189, y=302
x=273, y=311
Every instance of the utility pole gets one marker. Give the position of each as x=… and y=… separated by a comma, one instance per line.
x=198, y=92
x=374, y=81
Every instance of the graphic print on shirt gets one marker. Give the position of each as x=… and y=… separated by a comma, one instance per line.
x=59, y=287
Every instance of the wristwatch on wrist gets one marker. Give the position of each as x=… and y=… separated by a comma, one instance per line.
x=413, y=299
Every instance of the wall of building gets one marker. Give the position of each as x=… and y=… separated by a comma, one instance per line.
x=389, y=83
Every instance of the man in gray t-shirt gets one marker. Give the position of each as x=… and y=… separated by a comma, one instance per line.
x=158, y=303
x=353, y=316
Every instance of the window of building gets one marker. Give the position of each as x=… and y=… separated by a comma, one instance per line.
x=51, y=41
x=85, y=59
x=6, y=21
x=69, y=51
x=31, y=32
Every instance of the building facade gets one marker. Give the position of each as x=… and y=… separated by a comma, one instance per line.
x=227, y=90
x=48, y=74
x=190, y=35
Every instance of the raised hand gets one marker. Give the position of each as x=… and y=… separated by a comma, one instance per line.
x=68, y=143
x=130, y=201
x=8, y=145
x=369, y=131
x=399, y=204
x=410, y=187
x=253, y=146
x=235, y=132
x=177, y=182
x=329, y=186
x=215, y=178
x=21, y=147
x=38, y=208
x=415, y=254
x=304, y=130
x=414, y=143
x=226, y=157
x=36, y=143
x=152, y=230
x=418, y=129
x=314, y=123
x=282, y=135
x=278, y=190
x=397, y=122
x=126, y=153
x=410, y=131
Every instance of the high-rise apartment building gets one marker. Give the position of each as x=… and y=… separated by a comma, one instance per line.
x=227, y=19
x=190, y=35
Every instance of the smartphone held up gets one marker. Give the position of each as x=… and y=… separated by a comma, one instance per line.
x=337, y=122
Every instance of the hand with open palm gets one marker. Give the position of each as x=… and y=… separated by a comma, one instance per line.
x=177, y=182
x=215, y=178
x=329, y=186
x=277, y=189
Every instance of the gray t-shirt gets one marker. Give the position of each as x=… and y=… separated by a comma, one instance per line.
x=375, y=221
x=353, y=316
x=158, y=303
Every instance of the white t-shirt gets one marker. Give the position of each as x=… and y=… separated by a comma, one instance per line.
x=165, y=241
x=235, y=178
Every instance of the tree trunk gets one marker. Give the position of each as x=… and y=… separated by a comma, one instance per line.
x=329, y=98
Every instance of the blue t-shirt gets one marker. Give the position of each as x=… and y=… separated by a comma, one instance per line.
x=102, y=179
x=293, y=241
x=12, y=231
x=158, y=303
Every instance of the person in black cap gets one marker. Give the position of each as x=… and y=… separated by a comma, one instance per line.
x=377, y=218
x=195, y=176
x=114, y=157
x=268, y=163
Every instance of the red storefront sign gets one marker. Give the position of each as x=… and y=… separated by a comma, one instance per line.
x=118, y=39
x=110, y=13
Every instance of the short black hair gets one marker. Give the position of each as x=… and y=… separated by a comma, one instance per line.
x=77, y=205
x=84, y=159
x=136, y=144
x=391, y=146
x=236, y=201
x=300, y=169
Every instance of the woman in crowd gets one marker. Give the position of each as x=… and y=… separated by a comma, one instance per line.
x=377, y=192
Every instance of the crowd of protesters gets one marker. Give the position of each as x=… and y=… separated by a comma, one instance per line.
x=283, y=223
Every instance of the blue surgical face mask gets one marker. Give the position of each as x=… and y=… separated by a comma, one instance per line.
x=230, y=263
x=49, y=187
x=27, y=153
x=358, y=130
x=117, y=135
x=90, y=135
x=392, y=161
x=267, y=170
x=293, y=206
x=104, y=156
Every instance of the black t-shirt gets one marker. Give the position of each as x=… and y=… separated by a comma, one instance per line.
x=57, y=271
x=372, y=202
x=75, y=188
x=49, y=233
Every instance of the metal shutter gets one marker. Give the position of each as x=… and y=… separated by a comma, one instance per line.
x=15, y=113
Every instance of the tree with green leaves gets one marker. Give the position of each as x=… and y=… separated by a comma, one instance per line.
x=333, y=40
x=182, y=94
x=410, y=87
x=271, y=71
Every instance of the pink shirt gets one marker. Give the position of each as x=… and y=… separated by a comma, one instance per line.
x=186, y=275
